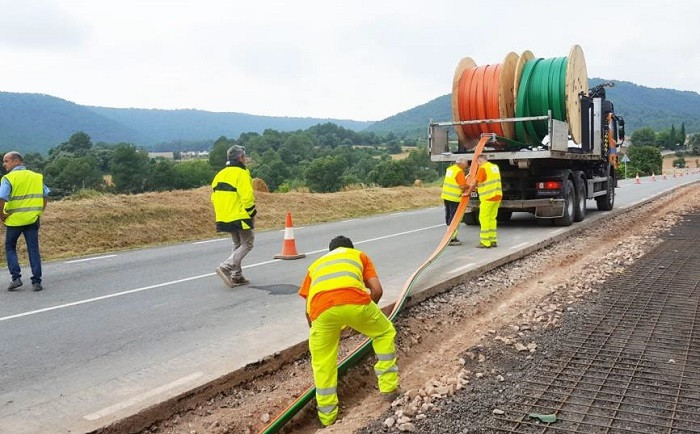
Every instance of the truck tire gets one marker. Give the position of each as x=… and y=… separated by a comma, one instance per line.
x=605, y=203
x=471, y=218
x=580, y=210
x=569, y=206
x=504, y=216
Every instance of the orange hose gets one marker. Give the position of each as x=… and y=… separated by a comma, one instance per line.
x=478, y=99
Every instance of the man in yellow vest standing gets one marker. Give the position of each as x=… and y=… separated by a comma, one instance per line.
x=336, y=297
x=488, y=184
x=234, y=206
x=454, y=185
x=22, y=200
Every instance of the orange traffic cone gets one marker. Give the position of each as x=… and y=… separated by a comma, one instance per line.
x=653, y=177
x=638, y=181
x=664, y=177
x=289, y=248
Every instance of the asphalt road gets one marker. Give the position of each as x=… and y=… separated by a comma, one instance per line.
x=115, y=333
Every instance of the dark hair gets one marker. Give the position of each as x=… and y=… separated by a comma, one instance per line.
x=340, y=241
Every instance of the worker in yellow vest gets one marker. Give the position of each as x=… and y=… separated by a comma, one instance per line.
x=488, y=185
x=22, y=202
x=453, y=186
x=234, y=209
x=342, y=289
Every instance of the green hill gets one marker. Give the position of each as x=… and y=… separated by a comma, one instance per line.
x=640, y=106
x=36, y=123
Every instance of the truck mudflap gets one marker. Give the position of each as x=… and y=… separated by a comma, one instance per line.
x=542, y=208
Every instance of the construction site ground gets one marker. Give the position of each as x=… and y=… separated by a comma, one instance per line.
x=600, y=330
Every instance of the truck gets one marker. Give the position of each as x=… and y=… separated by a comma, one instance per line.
x=552, y=179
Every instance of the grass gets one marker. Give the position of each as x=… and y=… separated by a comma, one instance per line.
x=92, y=225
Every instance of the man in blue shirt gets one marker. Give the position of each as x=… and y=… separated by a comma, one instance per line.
x=22, y=201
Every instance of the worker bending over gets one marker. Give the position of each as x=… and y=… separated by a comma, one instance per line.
x=488, y=184
x=336, y=297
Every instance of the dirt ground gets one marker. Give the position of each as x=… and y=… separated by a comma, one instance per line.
x=475, y=338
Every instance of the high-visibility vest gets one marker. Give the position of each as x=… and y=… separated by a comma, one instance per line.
x=340, y=268
x=450, y=188
x=492, y=186
x=233, y=199
x=26, y=202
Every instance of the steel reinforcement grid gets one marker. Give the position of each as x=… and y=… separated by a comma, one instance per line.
x=632, y=365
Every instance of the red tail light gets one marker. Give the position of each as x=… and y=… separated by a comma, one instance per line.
x=549, y=185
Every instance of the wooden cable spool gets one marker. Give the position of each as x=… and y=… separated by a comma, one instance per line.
x=483, y=92
x=576, y=81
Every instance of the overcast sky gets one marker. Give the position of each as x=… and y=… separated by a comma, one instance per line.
x=356, y=59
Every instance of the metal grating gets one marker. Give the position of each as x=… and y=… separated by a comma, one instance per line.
x=634, y=364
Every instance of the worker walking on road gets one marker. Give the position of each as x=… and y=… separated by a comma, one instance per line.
x=488, y=184
x=336, y=297
x=454, y=185
x=22, y=201
x=234, y=206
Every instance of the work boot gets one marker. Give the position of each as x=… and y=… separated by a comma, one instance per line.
x=494, y=244
x=239, y=281
x=455, y=242
x=390, y=397
x=225, y=275
x=16, y=283
x=37, y=286
x=482, y=246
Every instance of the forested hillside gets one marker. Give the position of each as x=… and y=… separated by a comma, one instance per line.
x=640, y=106
x=36, y=123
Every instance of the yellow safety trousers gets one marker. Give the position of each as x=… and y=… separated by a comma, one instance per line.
x=488, y=210
x=324, y=340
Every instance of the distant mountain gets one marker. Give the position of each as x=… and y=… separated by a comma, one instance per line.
x=33, y=122
x=640, y=106
x=36, y=123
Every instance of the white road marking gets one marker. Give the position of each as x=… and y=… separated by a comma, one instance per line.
x=186, y=279
x=212, y=241
x=129, y=402
x=90, y=259
x=517, y=246
x=350, y=220
x=463, y=267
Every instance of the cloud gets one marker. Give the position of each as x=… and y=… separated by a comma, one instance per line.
x=39, y=25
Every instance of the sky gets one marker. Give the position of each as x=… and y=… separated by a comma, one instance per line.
x=360, y=60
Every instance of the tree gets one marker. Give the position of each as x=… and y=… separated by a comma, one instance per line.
x=79, y=144
x=68, y=174
x=392, y=173
x=694, y=143
x=129, y=168
x=161, y=176
x=325, y=174
x=193, y=174
x=644, y=160
x=217, y=155
x=681, y=135
x=34, y=161
x=644, y=137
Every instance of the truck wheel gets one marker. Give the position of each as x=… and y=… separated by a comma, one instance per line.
x=605, y=203
x=569, y=206
x=471, y=218
x=580, y=211
x=504, y=216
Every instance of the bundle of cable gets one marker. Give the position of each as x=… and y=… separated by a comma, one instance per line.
x=480, y=93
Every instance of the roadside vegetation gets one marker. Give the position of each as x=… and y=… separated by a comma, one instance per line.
x=108, y=222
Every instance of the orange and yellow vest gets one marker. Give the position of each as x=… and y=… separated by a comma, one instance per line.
x=491, y=187
x=450, y=187
x=340, y=268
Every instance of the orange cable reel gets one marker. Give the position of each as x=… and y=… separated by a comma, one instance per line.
x=483, y=92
